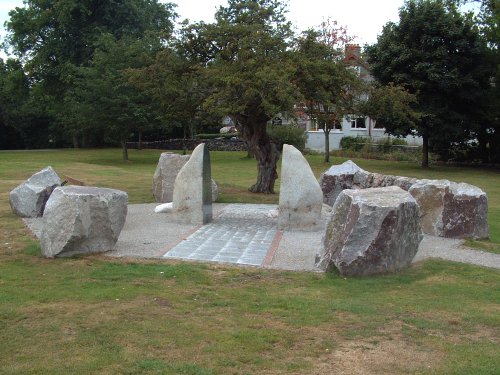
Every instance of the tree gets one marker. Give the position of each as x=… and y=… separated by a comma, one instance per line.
x=23, y=123
x=328, y=85
x=436, y=54
x=55, y=39
x=174, y=84
x=247, y=62
x=105, y=85
x=391, y=106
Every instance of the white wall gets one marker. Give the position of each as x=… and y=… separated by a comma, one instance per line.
x=316, y=138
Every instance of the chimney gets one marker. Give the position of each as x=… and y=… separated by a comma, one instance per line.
x=352, y=52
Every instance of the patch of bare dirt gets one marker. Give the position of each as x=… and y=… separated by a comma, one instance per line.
x=387, y=353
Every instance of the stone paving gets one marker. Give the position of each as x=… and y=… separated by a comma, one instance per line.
x=150, y=235
x=237, y=235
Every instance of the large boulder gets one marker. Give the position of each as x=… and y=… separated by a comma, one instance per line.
x=341, y=177
x=166, y=171
x=301, y=198
x=81, y=219
x=371, y=231
x=349, y=176
x=450, y=209
x=192, y=201
x=29, y=198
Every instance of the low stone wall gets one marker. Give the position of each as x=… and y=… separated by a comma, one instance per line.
x=448, y=209
x=190, y=144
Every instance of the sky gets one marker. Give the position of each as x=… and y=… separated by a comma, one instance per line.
x=363, y=19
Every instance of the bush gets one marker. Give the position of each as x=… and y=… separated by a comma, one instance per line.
x=217, y=135
x=385, y=145
x=289, y=134
x=353, y=143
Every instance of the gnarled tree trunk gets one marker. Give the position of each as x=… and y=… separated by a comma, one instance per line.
x=425, y=150
x=253, y=130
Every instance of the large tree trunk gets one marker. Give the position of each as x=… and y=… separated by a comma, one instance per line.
x=327, y=143
x=253, y=131
x=139, y=142
x=124, y=148
x=425, y=150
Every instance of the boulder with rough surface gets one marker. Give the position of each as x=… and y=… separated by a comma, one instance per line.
x=192, y=201
x=166, y=171
x=340, y=177
x=81, y=220
x=29, y=198
x=349, y=176
x=301, y=198
x=371, y=231
x=450, y=209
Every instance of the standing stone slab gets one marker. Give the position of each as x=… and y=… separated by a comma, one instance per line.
x=81, y=220
x=301, y=198
x=371, y=231
x=338, y=178
x=29, y=198
x=450, y=209
x=166, y=171
x=192, y=201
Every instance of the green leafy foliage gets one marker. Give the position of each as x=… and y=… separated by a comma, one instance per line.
x=328, y=86
x=64, y=42
x=391, y=107
x=438, y=55
x=353, y=143
x=288, y=134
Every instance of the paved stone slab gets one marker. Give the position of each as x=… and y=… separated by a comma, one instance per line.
x=146, y=235
x=241, y=234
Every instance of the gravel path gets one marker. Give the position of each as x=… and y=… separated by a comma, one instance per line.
x=150, y=235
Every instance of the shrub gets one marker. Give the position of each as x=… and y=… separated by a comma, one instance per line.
x=217, y=135
x=289, y=134
x=353, y=143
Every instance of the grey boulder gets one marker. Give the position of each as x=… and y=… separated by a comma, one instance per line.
x=81, y=220
x=371, y=231
x=29, y=198
x=301, y=198
x=167, y=169
x=451, y=209
x=340, y=177
x=192, y=201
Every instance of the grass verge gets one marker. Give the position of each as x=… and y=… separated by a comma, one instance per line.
x=100, y=315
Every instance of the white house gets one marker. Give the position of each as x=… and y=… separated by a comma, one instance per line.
x=351, y=125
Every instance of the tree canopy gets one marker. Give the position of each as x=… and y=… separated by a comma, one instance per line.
x=58, y=40
x=328, y=85
x=437, y=54
x=95, y=72
x=248, y=63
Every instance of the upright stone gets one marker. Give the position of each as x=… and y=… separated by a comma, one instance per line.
x=301, y=198
x=450, y=209
x=192, y=201
x=371, y=231
x=166, y=171
x=29, y=198
x=338, y=178
x=82, y=219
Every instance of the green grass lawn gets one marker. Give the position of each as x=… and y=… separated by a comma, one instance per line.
x=98, y=315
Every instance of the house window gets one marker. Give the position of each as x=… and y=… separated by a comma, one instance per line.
x=358, y=123
x=379, y=125
x=320, y=125
x=337, y=125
